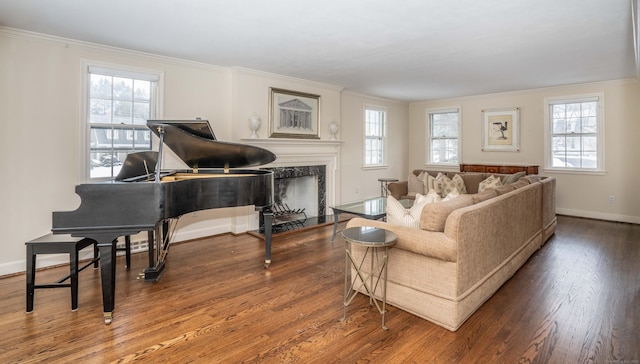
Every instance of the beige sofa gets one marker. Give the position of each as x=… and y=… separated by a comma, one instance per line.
x=465, y=248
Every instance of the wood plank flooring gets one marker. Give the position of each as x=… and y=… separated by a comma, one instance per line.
x=577, y=300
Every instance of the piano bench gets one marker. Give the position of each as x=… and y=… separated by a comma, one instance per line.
x=58, y=244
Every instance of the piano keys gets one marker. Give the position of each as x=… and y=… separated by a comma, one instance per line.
x=144, y=197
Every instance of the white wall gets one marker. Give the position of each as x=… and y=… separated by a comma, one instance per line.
x=40, y=94
x=357, y=182
x=577, y=194
x=250, y=90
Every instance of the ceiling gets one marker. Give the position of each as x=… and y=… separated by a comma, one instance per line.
x=404, y=50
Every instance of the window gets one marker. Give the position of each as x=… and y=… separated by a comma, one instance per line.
x=443, y=135
x=575, y=133
x=374, y=136
x=119, y=103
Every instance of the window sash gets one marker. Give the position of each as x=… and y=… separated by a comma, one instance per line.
x=374, y=136
x=575, y=133
x=443, y=133
x=119, y=103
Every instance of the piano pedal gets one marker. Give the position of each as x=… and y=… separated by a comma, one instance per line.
x=140, y=275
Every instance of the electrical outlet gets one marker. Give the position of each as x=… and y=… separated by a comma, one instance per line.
x=612, y=199
x=357, y=190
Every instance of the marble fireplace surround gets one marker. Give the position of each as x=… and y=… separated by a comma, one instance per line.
x=283, y=178
x=306, y=153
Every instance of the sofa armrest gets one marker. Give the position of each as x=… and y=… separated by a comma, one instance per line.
x=398, y=189
x=431, y=244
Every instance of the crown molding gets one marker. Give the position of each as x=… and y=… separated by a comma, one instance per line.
x=68, y=42
x=265, y=74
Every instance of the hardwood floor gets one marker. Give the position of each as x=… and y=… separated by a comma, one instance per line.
x=577, y=300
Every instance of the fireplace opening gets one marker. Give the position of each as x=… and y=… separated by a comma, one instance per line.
x=299, y=197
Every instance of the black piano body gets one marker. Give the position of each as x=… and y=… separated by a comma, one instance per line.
x=141, y=200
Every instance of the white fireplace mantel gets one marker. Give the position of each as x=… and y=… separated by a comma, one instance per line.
x=306, y=152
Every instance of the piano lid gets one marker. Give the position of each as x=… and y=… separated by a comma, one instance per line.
x=195, y=143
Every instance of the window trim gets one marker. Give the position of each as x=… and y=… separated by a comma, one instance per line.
x=384, y=136
x=442, y=110
x=600, y=135
x=116, y=69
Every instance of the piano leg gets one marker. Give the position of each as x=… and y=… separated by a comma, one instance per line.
x=268, y=222
x=108, y=275
x=156, y=238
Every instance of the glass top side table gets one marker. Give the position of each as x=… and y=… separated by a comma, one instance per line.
x=371, y=208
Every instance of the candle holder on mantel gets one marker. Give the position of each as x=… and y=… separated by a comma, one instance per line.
x=254, y=125
x=334, y=128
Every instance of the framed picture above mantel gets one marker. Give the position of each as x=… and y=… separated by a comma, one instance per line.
x=501, y=130
x=293, y=114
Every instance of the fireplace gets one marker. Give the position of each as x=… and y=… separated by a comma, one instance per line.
x=299, y=195
x=301, y=158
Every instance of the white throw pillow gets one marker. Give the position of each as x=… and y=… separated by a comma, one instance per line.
x=414, y=184
x=398, y=215
x=451, y=195
x=490, y=182
x=429, y=181
x=430, y=197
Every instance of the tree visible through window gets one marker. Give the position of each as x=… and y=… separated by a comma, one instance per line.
x=443, y=134
x=374, y=135
x=119, y=105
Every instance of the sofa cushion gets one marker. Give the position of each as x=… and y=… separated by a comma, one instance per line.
x=484, y=195
x=490, y=182
x=521, y=183
x=501, y=190
x=434, y=215
x=398, y=215
x=471, y=181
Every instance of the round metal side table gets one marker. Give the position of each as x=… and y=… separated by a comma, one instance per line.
x=373, y=239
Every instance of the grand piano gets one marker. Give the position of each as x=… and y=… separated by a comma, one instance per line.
x=144, y=197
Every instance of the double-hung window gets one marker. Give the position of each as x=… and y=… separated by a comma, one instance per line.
x=443, y=136
x=374, y=136
x=575, y=133
x=119, y=103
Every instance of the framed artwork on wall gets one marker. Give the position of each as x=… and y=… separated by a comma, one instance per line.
x=501, y=130
x=293, y=114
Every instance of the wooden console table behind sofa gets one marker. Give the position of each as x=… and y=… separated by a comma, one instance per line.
x=495, y=168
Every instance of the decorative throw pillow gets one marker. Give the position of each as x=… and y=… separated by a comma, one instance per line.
x=513, y=177
x=398, y=215
x=445, y=185
x=415, y=185
x=459, y=183
x=490, y=182
x=451, y=195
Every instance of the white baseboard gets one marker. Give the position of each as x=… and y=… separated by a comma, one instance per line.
x=599, y=216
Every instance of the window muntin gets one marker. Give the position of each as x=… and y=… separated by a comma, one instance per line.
x=575, y=134
x=119, y=103
x=443, y=134
x=374, y=136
